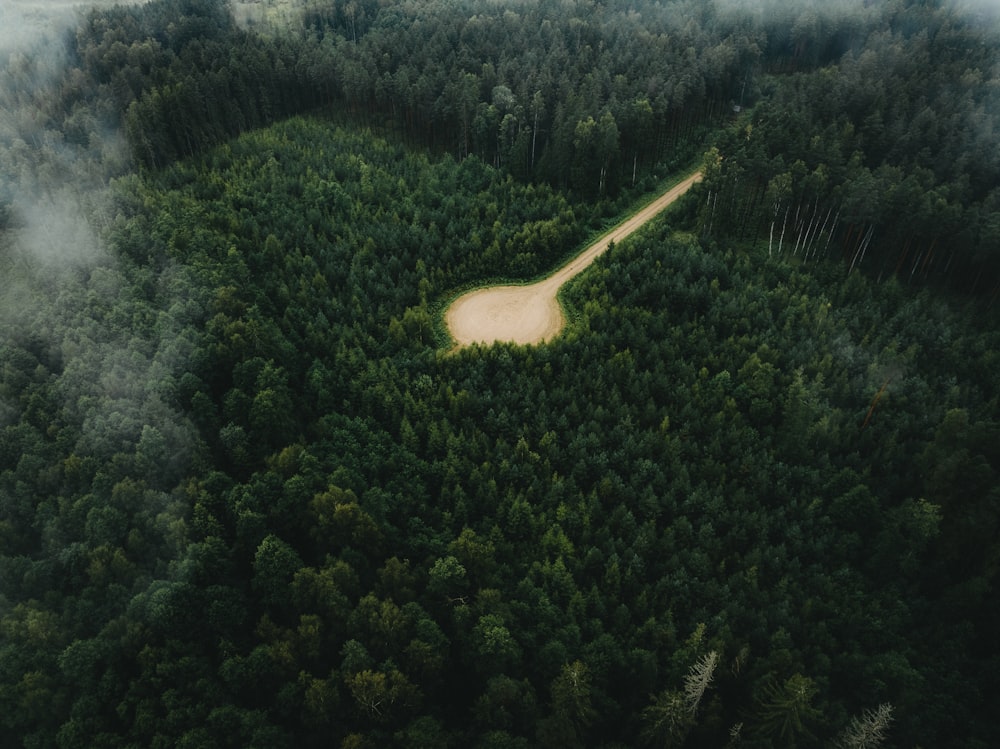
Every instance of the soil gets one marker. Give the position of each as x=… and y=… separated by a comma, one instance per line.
x=532, y=314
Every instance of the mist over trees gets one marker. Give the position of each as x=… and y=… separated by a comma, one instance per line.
x=749, y=498
x=876, y=129
x=886, y=159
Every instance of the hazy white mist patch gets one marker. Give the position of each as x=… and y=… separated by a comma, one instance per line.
x=23, y=25
x=262, y=15
x=55, y=233
x=978, y=6
x=783, y=8
x=60, y=286
x=52, y=190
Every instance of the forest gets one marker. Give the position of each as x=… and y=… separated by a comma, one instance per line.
x=251, y=497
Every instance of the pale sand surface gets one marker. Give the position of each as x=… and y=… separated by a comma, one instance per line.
x=531, y=314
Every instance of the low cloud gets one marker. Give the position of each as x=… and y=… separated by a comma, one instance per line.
x=55, y=233
x=63, y=295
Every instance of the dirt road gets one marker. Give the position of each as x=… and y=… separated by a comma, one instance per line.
x=531, y=314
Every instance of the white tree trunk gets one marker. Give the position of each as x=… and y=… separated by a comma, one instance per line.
x=862, y=249
x=784, y=221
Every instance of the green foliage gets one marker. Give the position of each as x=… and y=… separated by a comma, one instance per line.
x=881, y=158
x=571, y=709
x=785, y=712
x=498, y=545
x=667, y=720
x=245, y=502
x=274, y=564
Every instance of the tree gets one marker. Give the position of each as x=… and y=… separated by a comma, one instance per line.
x=667, y=721
x=672, y=714
x=699, y=678
x=465, y=95
x=596, y=144
x=447, y=578
x=571, y=708
x=637, y=129
x=383, y=696
x=868, y=730
x=537, y=112
x=340, y=520
x=785, y=712
x=494, y=648
x=275, y=564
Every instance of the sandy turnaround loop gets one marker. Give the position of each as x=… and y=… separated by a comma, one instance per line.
x=531, y=314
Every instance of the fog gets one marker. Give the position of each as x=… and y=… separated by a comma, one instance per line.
x=46, y=184
x=61, y=295
x=980, y=10
x=24, y=25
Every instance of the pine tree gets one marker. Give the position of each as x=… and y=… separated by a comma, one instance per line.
x=785, y=712
x=668, y=719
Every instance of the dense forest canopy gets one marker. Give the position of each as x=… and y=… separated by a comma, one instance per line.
x=874, y=123
x=249, y=498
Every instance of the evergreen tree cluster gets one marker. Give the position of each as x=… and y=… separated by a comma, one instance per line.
x=248, y=497
x=886, y=158
x=248, y=501
x=869, y=132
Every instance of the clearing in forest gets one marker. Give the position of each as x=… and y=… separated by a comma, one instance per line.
x=531, y=313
